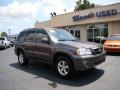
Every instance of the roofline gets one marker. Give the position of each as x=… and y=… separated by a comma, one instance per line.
x=115, y=34
x=87, y=9
x=28, y=29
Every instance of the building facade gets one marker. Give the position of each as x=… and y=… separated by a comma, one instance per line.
x=88, y=25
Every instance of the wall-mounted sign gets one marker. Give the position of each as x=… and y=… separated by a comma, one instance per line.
x=98, y=14
x=78, y=17
x=106, y=13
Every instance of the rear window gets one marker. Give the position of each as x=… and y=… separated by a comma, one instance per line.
x=1, y=38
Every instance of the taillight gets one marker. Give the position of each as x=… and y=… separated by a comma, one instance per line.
x=2, y=42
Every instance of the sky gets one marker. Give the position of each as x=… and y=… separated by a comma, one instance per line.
x=16, y=15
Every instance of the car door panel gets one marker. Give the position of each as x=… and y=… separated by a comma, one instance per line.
x=29, y=43
x=42, y=50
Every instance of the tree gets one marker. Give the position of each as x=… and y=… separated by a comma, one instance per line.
x=4, y=34
x=85, y=5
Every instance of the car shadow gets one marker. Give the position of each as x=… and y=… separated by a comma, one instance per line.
x=1, y=49
x=47, y=72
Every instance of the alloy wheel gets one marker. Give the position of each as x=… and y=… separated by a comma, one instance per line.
x=63, y=67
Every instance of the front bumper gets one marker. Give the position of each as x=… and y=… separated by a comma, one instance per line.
x=88, y=61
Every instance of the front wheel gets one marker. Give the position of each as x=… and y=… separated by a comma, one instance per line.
x=21, y=59
x=64, y=67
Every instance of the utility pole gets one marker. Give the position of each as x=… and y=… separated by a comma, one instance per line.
x=9, y=30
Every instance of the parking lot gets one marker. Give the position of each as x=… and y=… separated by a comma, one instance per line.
x=38, y=76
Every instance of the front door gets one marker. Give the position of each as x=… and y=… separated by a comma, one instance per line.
x=43, y=46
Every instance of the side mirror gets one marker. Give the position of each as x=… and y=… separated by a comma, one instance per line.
x=45, y=40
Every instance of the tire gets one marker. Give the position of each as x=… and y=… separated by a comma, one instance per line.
x=21, y=59
x=64, y=67
x=5, y=47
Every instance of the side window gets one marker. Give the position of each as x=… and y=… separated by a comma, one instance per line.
x=1, y=38
x=30, y=36
x=40, y=35
x=21, y=36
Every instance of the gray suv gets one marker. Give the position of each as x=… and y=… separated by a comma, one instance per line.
x=58, y=48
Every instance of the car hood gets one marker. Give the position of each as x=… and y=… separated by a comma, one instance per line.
x=112, y=42
x=79, y=44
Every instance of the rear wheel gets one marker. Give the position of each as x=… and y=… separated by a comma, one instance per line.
x=64, y=67
x=21, y=59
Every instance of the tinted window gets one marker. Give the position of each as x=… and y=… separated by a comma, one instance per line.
x=1, y=38
x=30, y=36
x=40, y=34
x=21, y=36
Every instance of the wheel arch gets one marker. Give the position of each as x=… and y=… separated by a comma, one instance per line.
x=58, y=54
x=19, y=50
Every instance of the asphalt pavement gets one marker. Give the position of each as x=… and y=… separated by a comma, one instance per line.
x=37, y=76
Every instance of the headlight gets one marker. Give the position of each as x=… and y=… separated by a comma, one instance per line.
x=83, y=51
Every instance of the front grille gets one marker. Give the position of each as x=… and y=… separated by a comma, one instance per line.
x=96, y=51
x=98, y=62
x=114, y=45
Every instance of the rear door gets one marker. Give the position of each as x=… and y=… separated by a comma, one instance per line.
x=43, y=49
x=29, y=43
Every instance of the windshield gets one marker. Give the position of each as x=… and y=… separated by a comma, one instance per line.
x=61, y=35
x=117, y=37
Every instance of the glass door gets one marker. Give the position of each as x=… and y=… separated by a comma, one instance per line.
x=90, y=34
x=97, y=33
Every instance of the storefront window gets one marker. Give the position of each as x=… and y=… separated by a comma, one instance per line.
x=74, y=30
x=77, y=34
x=90, y=35
x=97, y=33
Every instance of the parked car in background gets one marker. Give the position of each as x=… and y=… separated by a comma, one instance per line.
x=4, y=42
x=58, y=48
x=112, y=44
x=12, y=41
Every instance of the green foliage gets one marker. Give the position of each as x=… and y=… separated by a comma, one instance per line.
x=4, y=34
x=85, y=5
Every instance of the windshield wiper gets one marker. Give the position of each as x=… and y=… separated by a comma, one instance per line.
x=62, y=40
x=66, y=40
x=72, y=40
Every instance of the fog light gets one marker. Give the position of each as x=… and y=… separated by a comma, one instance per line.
x=85, y=63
